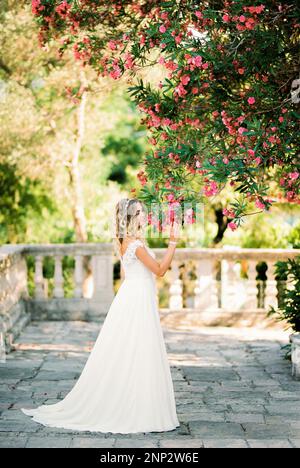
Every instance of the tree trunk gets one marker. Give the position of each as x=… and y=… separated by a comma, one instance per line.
x=77, y=198
x=222, y=222
x=74, y=172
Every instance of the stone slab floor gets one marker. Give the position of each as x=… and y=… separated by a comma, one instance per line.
x=232, y=387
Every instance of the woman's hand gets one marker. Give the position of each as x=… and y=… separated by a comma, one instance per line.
x=174, y=232
x=160, y=268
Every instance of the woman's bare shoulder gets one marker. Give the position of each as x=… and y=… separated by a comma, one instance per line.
x=131, y=241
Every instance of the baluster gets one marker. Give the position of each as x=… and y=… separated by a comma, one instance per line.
x=206, y=295
x=102, y=268
x=39, y=292
x=58, y=277
x=78, y=276
x=229, y=290
x=252, y=291
x=271, y=287
x=175, y=290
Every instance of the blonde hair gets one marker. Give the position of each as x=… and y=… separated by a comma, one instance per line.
x=127, y=222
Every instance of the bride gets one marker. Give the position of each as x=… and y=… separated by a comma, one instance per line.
x=126, y=384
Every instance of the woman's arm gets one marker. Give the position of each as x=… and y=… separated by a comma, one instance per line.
x=160, y=268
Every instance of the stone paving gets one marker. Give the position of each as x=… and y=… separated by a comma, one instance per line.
x=232, y=388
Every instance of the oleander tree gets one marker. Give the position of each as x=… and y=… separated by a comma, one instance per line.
x=226, y=113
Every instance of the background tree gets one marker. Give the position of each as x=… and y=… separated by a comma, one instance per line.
x=224, y=114
x=55, y=117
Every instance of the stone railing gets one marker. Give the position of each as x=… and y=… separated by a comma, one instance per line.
x=217, y=286
x=92, y=291
x=225, y=288
x=13, y=293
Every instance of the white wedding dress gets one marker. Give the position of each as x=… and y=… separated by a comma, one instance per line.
x=126, y=384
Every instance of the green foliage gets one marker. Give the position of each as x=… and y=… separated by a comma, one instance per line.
x=223, y=113
x=39, y=96
x=124, y=152
x=288, y=273
x=294, y=237
x=20, y=198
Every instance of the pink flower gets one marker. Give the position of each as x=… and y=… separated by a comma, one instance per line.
x=189, y=216
x=197, y=61
x=281, y=119
x=112, y=45
x=259, y=9
x=205, y=66
x=242, y=18
x=228, y=213
x=63, y=9
x=282, y=182
x=232, y=226
x=116, y=73
x=225, y=160
x=36, y=7
x=241, y=130
x=249, y=25
x=290, y=195
x=260, y=204
x=129, y=61
x=210, y=190
x=185, y=79
x=251, y=100
x=241, y=71
x=162, y=29
x=293, y=175
x=251, y=152
x=180, y=90
x=226, y=18
x=257, y=160
x=199, y=14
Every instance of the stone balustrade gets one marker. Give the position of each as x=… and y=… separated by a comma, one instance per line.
x=226, y=288
x=13, y=293
x=92, y=280
x=218, y=286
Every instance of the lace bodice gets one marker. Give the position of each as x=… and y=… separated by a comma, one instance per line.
x=133, y=267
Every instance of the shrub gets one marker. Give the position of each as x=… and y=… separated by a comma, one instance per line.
x=288, y=273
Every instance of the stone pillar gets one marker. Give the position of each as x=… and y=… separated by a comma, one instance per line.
x=229, y=285
x=102, y=269
x=175, y=290
x=206, y=296
x=78, y=276
x=251, y=302
x=295, y=341
x=58, y=277
x=271, y=287
x=38, y=278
